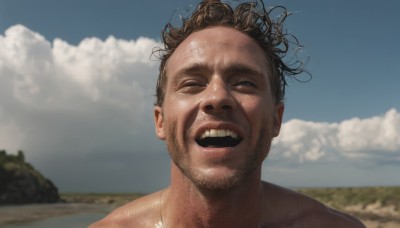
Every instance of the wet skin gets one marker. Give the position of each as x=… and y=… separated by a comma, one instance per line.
x=218, y=78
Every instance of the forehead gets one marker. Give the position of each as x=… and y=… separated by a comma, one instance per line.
x=216, y=47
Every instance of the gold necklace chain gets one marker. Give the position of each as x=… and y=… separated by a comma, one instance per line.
x=160, y=224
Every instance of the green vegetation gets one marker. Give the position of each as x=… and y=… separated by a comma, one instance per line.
x=4, y=157
x=10, y=163
x=368, y=203
x=341, y=197
x=21, y=183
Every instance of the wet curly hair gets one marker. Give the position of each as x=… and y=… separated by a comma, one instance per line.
x=251, y=18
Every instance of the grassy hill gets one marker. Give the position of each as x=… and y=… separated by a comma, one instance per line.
x=377, y=203
x=21, y=183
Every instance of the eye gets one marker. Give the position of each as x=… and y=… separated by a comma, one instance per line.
x=191, y=86
x=191, y=83
x=245, y=83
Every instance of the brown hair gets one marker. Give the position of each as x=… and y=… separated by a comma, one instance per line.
x=251, y=18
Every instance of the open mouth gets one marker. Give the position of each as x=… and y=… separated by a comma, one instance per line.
x=219, y=138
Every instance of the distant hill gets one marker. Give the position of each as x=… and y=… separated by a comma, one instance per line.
x=20, y=183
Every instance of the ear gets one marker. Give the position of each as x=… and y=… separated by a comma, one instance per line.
x=278, y=116
x=159, y=122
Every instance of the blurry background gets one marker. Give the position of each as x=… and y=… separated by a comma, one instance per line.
x=77, y=86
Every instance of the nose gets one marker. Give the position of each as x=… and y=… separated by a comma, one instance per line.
x=218, y=98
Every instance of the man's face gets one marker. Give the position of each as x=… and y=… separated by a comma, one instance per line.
x=218, y=117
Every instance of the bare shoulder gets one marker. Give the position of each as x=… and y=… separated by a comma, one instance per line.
x=293, y=209
x=142, y=212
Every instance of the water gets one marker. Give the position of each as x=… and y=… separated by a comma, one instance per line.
x=67, y=221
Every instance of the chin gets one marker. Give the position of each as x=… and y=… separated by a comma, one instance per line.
x=218, y=183
x=217, y=179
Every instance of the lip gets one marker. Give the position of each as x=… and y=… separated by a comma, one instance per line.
x=217, y=153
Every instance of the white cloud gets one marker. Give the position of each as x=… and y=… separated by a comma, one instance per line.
x=69, y=104
x=376, y=134
x=376, y=138
x=302, y=140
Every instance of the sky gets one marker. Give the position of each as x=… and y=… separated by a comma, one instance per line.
x=77, y=86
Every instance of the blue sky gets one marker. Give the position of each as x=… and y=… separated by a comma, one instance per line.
x=93, y=124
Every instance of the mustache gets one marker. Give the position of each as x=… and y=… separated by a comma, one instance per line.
x=216, y=117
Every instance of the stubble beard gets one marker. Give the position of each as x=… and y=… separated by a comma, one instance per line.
x=252, y=161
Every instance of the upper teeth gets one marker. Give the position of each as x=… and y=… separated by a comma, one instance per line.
x=218, y=133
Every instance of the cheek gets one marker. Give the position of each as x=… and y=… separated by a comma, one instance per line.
x=255, y=108
x=259, y=114
x=180, y=112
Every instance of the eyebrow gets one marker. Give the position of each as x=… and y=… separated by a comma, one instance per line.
x=195, y=68
x=233, y=68
x=243, y=69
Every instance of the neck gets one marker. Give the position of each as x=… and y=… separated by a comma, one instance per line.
x=237, y=207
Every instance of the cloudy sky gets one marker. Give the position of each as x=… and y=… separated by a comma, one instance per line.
x=77, y=88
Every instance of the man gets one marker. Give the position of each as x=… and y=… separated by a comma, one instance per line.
x=219, y=105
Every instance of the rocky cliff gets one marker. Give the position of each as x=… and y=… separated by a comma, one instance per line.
x=20, y=183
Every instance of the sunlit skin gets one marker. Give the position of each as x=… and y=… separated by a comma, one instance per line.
x=219, y=78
